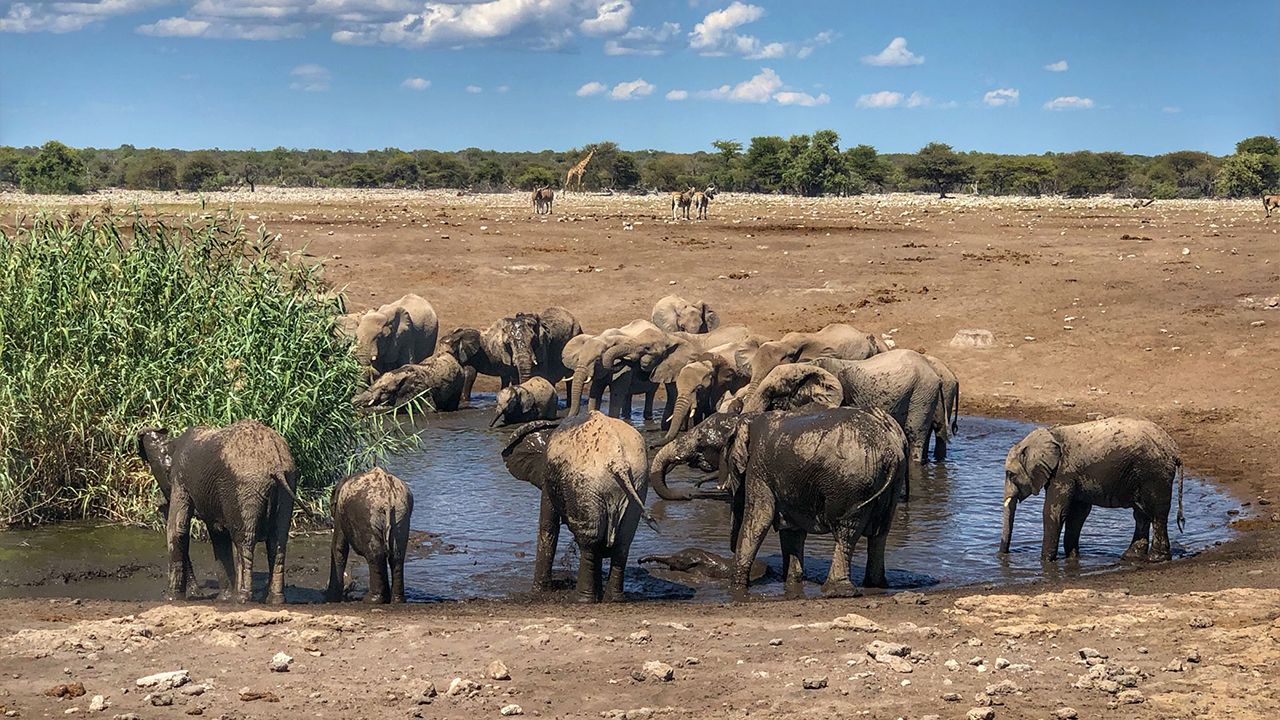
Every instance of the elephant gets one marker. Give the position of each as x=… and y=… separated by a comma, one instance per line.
x=439, y=379
x=506, y=349
x=371, y=512
x=701, y=385
x=534, y=399
x=592, y=473
x=791, y=387
x=1114, y=462
x=398, y=333
x=837, y=470
x=903, y=384
x=557, y=327
x=584, y=354
x=951, y=395
x=673, y=313
x=700, y=562
x=836, y=340
x=239, y=480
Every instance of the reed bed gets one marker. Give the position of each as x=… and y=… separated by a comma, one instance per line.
x=117, y=322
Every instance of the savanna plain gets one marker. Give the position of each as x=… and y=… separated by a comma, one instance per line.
x=1096, y=307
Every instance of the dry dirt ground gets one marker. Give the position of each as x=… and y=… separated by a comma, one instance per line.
x=1096, y=307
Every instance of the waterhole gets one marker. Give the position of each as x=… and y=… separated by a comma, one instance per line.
x=475, y=532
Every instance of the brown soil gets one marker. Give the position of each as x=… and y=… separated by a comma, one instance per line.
x=1097, y=307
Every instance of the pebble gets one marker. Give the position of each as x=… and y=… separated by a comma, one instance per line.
x=461, y=686
x=512, y=709
x=1200, y=621
x=640, y=637
x=815, y=683
x=498, y=671
x=880, y=647
x=98, y=704
x=659, y=670
x=164, y=680
x=1066, y=713
x=951, y=697
x=280, y=662
x=775, y=642
x=981, y=713
x=1001, y=663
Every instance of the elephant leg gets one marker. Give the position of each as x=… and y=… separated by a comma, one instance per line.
x=620, y=396
x=469, y=379
x=939, y=447
x=838, y=582
x=757, y=515
x=875, y=575
x=277, y=544
x=395, y=560
x=244, y=545
x=735, y=525
x=649, y=398
x=1141, y=532
x=1160, y=538
x=590, y=561
x=618, y=556
x=1076, y=515
x=222, y=553
x=792, y=541
x=178, y=532
x=548, y=537
x=1053, y=517
x=379, y=588
x=339, y=550
x=568, y=393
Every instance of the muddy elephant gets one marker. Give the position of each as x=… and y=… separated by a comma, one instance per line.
x=584, y=354
x=371, y=513
x=239, y=480
x=675, y=314
x=951, y=394
x=557, y=327
x=534, y=399
x=507, y=349
x=903, y=384
x=439, y=380
x=396, y=334
x=701, y=385
x=836, y=340
x=839, y=470
x=593, y=476
x=1115, y=462
x=793, y=386
x=697, y=561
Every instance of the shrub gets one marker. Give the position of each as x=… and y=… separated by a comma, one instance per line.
x=55, y=170
x=109, y=326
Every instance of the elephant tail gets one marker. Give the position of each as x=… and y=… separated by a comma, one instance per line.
x=1182, y=520
x=624, y=480
x=283, y=481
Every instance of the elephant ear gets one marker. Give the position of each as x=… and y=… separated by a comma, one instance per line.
x=1040, y=457
x=734, y=455
x=677, y=356
x=467, y=346
x=820, y=388
x=526, y=453
x=710, y=318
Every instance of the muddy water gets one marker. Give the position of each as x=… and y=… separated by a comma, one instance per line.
x=477, y=530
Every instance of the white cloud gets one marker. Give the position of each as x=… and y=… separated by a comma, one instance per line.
x=823, y=38
x=880, y=100
x=175, y=27
x=1060, y=66
x=717, y=35
x=1171, y=109
x=611, y=18
x=895, y=54
x=678, y=95
x=1001, y=97
x=918, y=99
x=502, y=88
x=641, y=40
x=591, y=88
x=64, y=17
x=759, y=89
x=791, y=97
x=416, y=83
x=632, y=90
x=309, y=77
x=1069, y=102
x=474, y=89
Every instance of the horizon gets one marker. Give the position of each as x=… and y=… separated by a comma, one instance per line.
x=1140, y=78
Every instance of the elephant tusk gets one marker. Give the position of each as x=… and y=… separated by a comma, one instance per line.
x=1007, y=501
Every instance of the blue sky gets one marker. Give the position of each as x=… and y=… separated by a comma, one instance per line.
x=1030, y=76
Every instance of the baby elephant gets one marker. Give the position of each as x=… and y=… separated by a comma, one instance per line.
x=1116, y=462
x=533, y=399
x=439, y=379
x=371, y=512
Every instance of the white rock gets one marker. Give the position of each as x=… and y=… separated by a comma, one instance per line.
x=498, y=671
x=854, y=621
x=973, y=338
x=512, y=709
x=164, y=680
x=280, y=662
x=461, y=686
x=98, y=704
x=659, y=670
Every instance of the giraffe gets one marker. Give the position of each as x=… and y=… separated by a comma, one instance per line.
x=575, y=172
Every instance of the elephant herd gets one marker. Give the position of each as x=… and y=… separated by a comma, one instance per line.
x=813, y=432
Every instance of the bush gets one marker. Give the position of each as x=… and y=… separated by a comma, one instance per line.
x=201, y=171
x=197, y=325
x=153, y=171
x=1241, y=175
x=55, y=170
x=536, y=176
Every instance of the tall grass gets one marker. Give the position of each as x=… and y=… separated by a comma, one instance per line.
x=116, y=323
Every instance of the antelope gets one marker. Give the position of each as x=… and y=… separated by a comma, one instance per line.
x=682, y=201
x=543, y=199
x=1269, y=202
x=702, y=200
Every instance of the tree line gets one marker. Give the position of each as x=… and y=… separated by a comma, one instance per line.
x=808, y=165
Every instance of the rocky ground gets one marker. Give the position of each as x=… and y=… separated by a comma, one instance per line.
x=1095, y=307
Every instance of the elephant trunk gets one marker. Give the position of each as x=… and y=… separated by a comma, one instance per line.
x=575, y=392
x=683, y=403
x=610, y=357
x=524, y=364
x=668, y=457
x=1010, y=507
